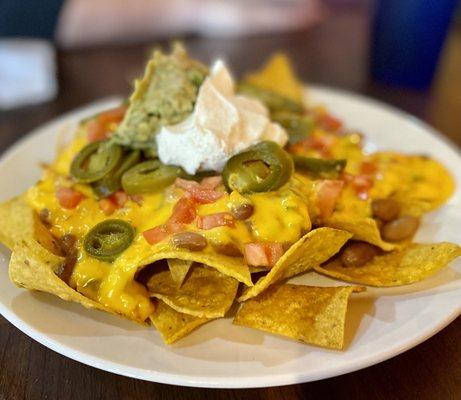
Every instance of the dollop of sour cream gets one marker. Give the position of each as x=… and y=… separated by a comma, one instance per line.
x=222, y=124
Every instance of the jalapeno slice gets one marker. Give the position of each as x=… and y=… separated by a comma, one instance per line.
x=149, y=177
x=318, y=166
x=94, y=161
x=112, y=182
x=298, y=126
x=108, y=239
x=263, y=167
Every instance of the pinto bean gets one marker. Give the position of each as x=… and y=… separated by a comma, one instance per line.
x=385, y=209
x=356, y=254
x=242, y=211
x=189, y=240
x=67, y=245
x=400, y=229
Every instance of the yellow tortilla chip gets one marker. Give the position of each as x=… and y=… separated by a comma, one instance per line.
x=230, y=266
x=278, y=75
x=33, y=267
x=399, y=267
x=311, y=250
x=174, y=325
x=314, y=315
x=19, y=221
x=362, y=228
x=206, y=293
x=16, y=221
x=178, y=269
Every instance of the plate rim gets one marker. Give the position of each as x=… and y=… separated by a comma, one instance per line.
x=229, y=382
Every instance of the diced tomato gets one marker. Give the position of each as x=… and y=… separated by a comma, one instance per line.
x=155, y=235
x=107, y=206
x=211, y=221
x=255, y=254
x=328, y=192
x=200, y=194
x=184, y=211
x=119, y=198
x=114, y=115
x=138, y=199
x=262, y=254
x=185, y=184
x=96, y=131
x=274, y=251
x=68, y=197
x=362, y=184
x=329, y=123
x=368, y=168
x=99, y=127
x=211, y=182
x=322, y=144
x=204, y=196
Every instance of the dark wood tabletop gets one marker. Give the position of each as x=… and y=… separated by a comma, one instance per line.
x=335, y=53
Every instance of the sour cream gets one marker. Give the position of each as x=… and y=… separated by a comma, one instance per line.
x=222, y=124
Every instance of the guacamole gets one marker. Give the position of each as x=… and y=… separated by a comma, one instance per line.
x=164, y=96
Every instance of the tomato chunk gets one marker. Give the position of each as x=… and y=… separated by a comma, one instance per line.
x=107, y=206
x=68, y=197
x=99, y=127
x=211, y=221
x=329, y=123
x=328, y=192
x=119, y=198
x=200, y=193
x=184, y=211
x=262, y=254
x=155, y=235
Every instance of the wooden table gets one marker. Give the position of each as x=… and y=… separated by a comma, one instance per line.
x=333, y=53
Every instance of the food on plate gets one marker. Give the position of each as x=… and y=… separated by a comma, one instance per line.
x=314, y=315
x=203, y=192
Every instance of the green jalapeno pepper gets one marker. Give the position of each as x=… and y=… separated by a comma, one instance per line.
x=261, y=168
x=273, y=101
x=318, y=166
x=108, y=239
x=112, y=182
x=95, y=161
x=298, y=126
x=149, y=176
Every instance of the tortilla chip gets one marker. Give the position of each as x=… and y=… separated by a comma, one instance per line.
x=206, y=293
x=314, y=315
x=33, y=267
x=278, y=75
x=230, y=266
x=362, y=228
x=35, y=258
x=19, y=221
x=174, y=325
x=178, y=269
x=399, y=267
x=311, y=250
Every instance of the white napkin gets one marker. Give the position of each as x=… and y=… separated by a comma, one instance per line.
x=27, y=72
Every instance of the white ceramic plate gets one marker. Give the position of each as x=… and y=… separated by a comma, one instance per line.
x=381, y=323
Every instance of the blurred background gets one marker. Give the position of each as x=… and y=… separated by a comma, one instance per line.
x=56, y=55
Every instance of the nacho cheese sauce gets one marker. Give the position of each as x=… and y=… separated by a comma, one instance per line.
x=281, y=214
x=208, y=138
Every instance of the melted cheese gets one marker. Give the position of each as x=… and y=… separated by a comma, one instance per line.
x=281, y=216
